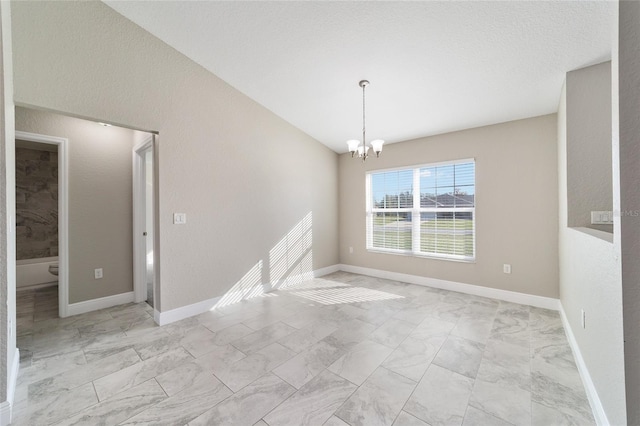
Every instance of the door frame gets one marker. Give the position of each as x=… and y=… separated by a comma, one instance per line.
x=63, y=212
x=139, y=207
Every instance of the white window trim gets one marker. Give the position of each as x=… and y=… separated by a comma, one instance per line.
x=415, y=242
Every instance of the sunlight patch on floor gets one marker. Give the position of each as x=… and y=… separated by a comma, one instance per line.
x=336, y=295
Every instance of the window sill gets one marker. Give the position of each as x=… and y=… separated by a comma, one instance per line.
x=422, y=256
x=602, y=235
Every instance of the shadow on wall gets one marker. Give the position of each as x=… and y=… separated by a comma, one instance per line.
x=290, y=262
x=291, y=270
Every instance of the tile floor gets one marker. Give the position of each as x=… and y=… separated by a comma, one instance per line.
x=344, y=349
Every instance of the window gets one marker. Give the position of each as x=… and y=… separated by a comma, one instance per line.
x=424, y=210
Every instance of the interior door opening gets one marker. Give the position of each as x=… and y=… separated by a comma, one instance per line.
x=144, y=235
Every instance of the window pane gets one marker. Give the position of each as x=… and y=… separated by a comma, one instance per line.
x=445, y=198
x=464, y=196
x=465, y=174
x=392, y=190
x=463, y=244
x=392, y=230
x=444, y=176
x=448, y=233
x=428, y=177
x=427, y=197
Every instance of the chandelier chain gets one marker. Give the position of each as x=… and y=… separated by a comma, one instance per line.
x=364, y=142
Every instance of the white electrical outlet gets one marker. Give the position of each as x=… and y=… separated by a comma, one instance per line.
x=583, y=318
x=97, y=273
x=179, y=218
x=506, y=268
x=351, y=250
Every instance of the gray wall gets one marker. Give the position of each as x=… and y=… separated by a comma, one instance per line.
x=516, y=201
x=100, y=201
x=7, y=205
x=36, y=203
x=589, y=263
x=629, y=131
x=243, y=176
x=589, y=178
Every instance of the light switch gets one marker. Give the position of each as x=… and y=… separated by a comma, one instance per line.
x=601, y=218
x=179, y=218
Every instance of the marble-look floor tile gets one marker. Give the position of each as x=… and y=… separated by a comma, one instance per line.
x=308, y=364
x=63, y=382
x=49, y=367
x=220, y=356
x=379, y=400
x=249, y=405
x=199, y=341
x=264, y=337
x=269, y=317
x=543, y=415
x=509, y=403
x=446, y=311
x=182, y=377
x=470, y=328
x=308, y=336
x=378, y=314
x=460, y=355
x=475, y=417
x=229, y=334
x=350, y=334
x=441, y=397
x=305, y=318
x=216, y=322
x=392, y=332
x=412, y=358
x=126, y=378
x=406, y=419
x=204, y=393
x=335, y=421
x=362, y=360
x=51, y=410
x=314, y=403
x=431, y=327
x=119, y=407
x=569, y=401
x=239, y=374
x=110, y=344
x=507, y=364
x=415, y=315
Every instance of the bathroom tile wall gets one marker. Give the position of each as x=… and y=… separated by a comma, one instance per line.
x=36, y=203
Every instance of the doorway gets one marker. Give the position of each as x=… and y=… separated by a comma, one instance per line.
x=143, y=221
x=51, y=265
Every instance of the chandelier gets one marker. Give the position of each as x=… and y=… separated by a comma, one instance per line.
x=361, y=147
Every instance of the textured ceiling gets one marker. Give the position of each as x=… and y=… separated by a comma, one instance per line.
x=434, y=67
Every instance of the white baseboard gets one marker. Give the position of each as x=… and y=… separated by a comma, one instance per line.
x=493, y=293
x=101, y=303
x=6, y=407
x=594, y=400
x=325, y=271
x=5, y=413
x=173, y=315
x=177, y=314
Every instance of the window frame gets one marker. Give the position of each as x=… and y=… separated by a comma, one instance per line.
x=416, y=211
